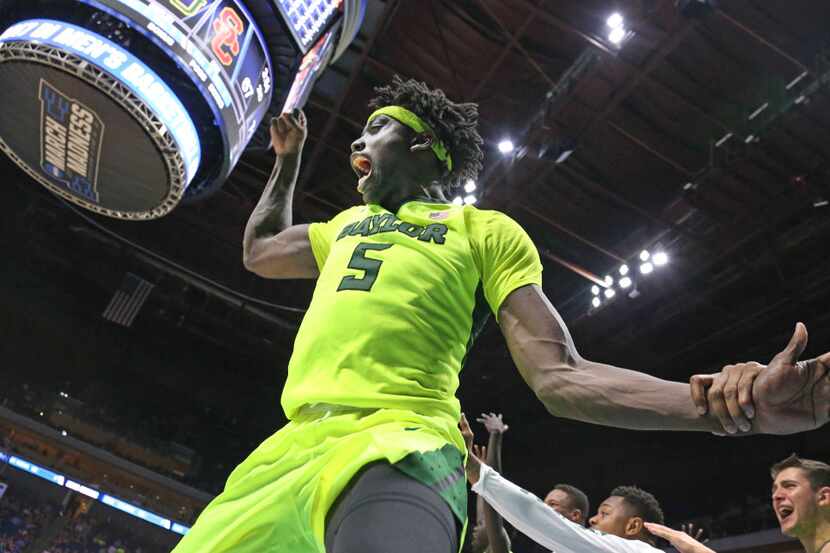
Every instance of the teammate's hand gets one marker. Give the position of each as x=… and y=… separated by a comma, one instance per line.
x=690, y=529
x=288, y=132
x=681, y=541
x=493, y=423
x=727, y=395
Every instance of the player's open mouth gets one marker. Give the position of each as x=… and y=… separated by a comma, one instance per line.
x=362, y=166
x=784, y=513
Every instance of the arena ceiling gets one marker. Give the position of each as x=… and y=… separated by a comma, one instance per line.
x=704, y=135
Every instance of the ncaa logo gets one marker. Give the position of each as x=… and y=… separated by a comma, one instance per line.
x=71, y=141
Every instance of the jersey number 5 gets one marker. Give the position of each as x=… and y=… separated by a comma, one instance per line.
x=369, y=266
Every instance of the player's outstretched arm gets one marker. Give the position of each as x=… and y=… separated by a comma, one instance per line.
x=273, y=247
x=574, y=387
x=496, y=534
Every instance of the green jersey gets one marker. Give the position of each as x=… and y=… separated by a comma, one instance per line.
x=392, y=315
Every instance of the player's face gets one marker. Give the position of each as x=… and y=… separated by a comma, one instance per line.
x=795, y=502
x=560, y=502
x=384, y=162
x=612, y=517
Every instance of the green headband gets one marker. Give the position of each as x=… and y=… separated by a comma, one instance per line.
x=406, y=117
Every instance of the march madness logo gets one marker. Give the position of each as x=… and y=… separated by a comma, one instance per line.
x=71, y=139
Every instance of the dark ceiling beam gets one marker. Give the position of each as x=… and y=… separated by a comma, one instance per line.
x=551, y=19
x=357, y=69
x=445, y=47
x=581, y=271
x=571, y=233
x=606, y=191
x=513, y=42
x=343, y=117
x=666, y=47
x=650, y=149
x=757, y=36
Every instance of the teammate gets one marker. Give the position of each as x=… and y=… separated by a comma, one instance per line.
x=569, y=501
x=618, y=526
x=801, y=500
x=488, y=535
x=371, y=459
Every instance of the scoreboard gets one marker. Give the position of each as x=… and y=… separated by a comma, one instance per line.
x=128, y=107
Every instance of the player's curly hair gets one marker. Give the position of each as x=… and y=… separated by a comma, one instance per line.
x=455, y=124
x=644, y=504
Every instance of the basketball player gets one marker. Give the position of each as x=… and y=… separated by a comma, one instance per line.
x=372, y=459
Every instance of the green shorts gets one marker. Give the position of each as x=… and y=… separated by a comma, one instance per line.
x=277, y=499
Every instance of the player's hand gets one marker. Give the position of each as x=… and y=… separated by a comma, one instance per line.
x=288, y=132
x=681, y=541
x=727, y=395
x=475, y=457
x=473, y=466
x=790, y=395
x=493, y=423
x=690, y=529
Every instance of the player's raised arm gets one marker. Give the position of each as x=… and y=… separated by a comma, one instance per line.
x=273, y=247
x=574, y=387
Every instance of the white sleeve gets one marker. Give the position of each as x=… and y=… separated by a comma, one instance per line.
x=529, y=515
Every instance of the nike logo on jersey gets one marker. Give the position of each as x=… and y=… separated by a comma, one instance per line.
x=377, y=224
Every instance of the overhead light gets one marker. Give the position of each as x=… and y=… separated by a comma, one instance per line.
x=616, y=36
x=469, y=200
x=595, y=290
x=615, y=20
x=623, y=269
x=646, y=268
x=458, y=200
x=506, y=146
x=610, y=293
x=644, y=255
x=470, y=186
x=41, y=413
x=63, y=432
x=564, y=156
x=596, y=302
x=660, y=259
x=625, y=282
x=608, y=280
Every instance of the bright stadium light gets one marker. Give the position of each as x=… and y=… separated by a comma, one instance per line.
x=470, y=186
x=610, y=293
x=660, y=259
x=625, y=282
x=506, y=146
x=646, y=268
x=469, y=200
x=616, y=36
x=644, y=255
x=623, y=269
x=615, y=20
x=608, y=280
x=595, y=290
x=596, y=302
x=458, y=200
